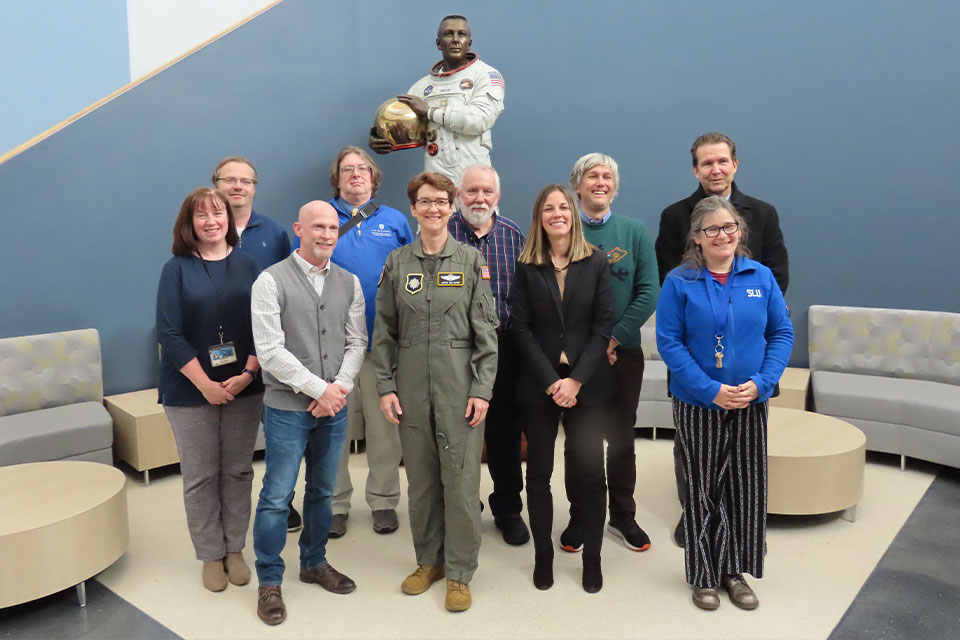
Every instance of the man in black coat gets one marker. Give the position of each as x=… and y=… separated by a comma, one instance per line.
x=714, y=165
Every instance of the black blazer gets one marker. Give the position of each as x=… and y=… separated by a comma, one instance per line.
x=765, y=238
x=581, y=325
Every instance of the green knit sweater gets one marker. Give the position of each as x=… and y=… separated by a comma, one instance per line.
x=633, y=273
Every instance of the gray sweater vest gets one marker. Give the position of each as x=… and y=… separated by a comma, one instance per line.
x=313, y=327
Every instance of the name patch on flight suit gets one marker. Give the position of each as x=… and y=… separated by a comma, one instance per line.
x=450, y=279
x=414, y=283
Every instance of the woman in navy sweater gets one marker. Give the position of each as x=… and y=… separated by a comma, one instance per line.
x=724, y=334
x=209, y=382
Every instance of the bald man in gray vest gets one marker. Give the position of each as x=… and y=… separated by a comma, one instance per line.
x=310, y=332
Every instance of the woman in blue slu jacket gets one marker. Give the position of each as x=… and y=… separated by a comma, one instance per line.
x=724, y=334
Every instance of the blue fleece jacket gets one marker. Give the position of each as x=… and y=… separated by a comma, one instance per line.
x=363, y=250
x=757, y=342
x=265, y=239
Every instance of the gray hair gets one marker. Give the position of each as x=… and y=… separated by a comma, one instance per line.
x=590, y=161
x=692, y=256
x=496, y=176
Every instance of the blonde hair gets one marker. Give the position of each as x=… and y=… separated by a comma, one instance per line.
x=536, y=250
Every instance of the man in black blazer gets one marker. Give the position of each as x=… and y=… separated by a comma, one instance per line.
x=715, y=164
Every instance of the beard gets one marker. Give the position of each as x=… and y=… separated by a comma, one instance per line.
x=476, y=218
x=320, y=254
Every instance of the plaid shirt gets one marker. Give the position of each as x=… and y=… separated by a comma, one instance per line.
x=500, y=248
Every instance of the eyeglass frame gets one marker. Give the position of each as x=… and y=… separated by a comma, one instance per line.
x=234, y=180
x=359, y=169
x=426, y=203
x=717, y=229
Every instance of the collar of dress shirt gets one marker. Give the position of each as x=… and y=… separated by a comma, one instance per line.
x=595, y=223
x=309, y=268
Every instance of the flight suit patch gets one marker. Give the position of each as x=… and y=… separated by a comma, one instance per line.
x=414, y=283
x=485, y=272
x=466, y=83
x=450, y=279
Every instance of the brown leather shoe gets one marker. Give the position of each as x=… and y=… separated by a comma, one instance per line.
x=421, y=579
x=328, y=578
x=458, y=596
x=706, y=598
x=741, y=595
x=270, y=607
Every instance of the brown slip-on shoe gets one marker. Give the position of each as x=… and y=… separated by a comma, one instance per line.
x=214, y=577
x=328, y=578
x=270, y=607
x=458, y=596
x=741, y=595
x=421, y=579
x=706, y=598
x=238, y=572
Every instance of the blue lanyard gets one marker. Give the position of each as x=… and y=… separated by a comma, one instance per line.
x=719, y=309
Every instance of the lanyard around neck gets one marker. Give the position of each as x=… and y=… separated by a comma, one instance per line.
x=719, y=307
x=220, y=294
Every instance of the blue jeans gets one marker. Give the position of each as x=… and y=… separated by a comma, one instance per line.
x=290, y=437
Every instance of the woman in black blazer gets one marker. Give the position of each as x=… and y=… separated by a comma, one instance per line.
x=561, y=313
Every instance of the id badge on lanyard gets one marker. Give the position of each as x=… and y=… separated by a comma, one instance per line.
x=223, y=353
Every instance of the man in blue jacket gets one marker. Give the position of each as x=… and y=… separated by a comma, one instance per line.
x=362, y=250
x=264, y=238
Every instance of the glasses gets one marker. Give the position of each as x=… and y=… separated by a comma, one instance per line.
x=244, y=181
x=426, y=203
x=362, y=169
x=729, y=229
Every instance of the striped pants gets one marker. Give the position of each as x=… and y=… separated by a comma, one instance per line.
x=725, y=511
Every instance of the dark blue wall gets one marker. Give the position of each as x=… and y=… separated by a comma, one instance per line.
x=844, y=116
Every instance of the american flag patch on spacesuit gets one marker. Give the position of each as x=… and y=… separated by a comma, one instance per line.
x=496, y=79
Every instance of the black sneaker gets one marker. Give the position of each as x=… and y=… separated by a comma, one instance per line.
x=513, y=528
x=294, y=521
x=630, y=533
x=678, y=535
x=571, y=539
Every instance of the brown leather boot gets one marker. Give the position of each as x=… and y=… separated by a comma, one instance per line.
x=270, y=607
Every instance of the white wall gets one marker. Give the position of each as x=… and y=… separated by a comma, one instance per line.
x=161, y=31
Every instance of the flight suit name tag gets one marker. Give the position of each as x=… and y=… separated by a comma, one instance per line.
x=450, y=279
x=414, y=283
x=221, y=354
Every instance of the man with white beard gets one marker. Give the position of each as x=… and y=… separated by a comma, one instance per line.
x=478, y=224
